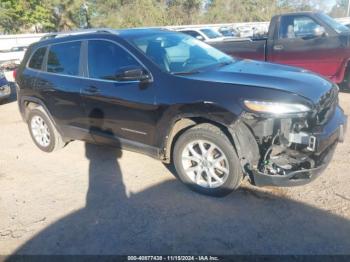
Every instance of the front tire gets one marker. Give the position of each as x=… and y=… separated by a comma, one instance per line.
x=206, y=161
x=43, y=132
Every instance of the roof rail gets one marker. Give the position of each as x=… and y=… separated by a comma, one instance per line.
x=78, y=32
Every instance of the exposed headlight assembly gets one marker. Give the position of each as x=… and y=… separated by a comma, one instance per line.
x=275, y=107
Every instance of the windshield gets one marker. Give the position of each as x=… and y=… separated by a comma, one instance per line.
x=210, y=33
x=339, y=28
x=178, y=53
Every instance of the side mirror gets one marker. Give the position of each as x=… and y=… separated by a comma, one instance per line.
x=133, y=74
x=199, y=37
x=319, y=31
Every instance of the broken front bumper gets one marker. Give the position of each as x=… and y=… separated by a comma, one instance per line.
x=324, y=139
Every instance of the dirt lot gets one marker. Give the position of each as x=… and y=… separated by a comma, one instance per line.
x=87, y=199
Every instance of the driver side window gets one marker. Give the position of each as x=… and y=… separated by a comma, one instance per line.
x=105, y=59
x=292, y=27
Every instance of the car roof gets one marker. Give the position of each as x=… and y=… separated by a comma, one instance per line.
x=59, y=37
x=141, y=31
x=300, y=13
x=189, y=29
x=119, y=32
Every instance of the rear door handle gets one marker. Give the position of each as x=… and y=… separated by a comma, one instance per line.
x=278, y=47
x=92, y=90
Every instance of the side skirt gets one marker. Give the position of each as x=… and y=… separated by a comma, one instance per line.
x=109, y=139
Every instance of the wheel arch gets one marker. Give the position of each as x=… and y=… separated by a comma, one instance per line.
x=27, y=103
x=237, y=133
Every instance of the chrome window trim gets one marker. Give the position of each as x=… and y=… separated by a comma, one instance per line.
x=85, y=77
x=46, y=57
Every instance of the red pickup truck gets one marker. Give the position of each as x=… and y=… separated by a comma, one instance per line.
x=311, y=40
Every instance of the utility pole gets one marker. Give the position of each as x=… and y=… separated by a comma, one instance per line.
x=348, y=13
x=84, y=16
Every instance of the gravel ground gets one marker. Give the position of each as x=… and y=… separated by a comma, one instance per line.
x=88, y=199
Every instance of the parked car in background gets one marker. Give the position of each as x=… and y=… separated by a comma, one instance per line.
x=313, y=41
x=244, y=31
x=207, y=35
x=227, y=31
x=18, y=49
x=175, y=98
x=5, y=89
x=14, y=54
x=259, y=33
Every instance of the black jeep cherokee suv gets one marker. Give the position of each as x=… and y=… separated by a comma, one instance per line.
x=165, y=94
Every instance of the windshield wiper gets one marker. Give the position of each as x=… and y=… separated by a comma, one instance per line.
x=192, y=72
x=226, y=63
x=196, y=71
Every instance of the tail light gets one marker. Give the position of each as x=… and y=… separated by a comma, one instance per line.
x=14, y=74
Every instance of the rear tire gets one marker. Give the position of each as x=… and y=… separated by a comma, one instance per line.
x=206, y=161
x=43, y=131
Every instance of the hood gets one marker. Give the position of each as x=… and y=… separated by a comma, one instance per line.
x=267, y=75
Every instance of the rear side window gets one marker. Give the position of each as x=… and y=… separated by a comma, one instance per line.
x=37, y=59
x=64, y=58
x=106, y=59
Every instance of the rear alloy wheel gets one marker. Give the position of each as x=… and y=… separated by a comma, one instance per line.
x=206, y=161
x=43, y=131
x=40, y=130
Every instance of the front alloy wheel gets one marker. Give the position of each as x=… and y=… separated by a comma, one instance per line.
x=206, y=160
x=205, y=164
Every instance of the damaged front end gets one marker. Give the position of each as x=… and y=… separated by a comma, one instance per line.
x=290, y=149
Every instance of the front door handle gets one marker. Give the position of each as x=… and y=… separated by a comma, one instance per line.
x=278, y=47
x=92, y=90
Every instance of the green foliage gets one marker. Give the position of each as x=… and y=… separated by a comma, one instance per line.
x=58, y=15
x=65, y=13
x=223, y=11
x=9, y=16
x=128, y=13
x=16, y=16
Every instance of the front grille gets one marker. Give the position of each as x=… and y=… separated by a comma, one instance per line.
x=328, y=97
x=326, y=106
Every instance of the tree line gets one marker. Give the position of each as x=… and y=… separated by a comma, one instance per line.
x=59, y=15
